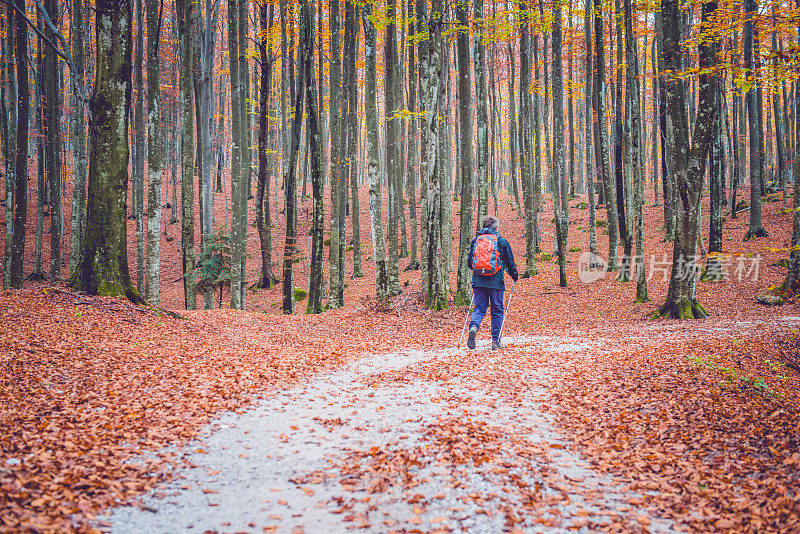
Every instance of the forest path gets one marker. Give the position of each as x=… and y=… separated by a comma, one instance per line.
x=415, y=441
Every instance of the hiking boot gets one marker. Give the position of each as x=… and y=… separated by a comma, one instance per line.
x=471, y=338
x=497, y=345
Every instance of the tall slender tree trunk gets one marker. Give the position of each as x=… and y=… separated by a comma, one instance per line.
x=373, y=156
x=263, y=210
x=512, y=127
x=238, y=183
x=290, y=181
x=316, y=282
x=351, y=155
x=184, y=8
x=619, y=154
x=632, y=89
x=52, y=95
x=791, y=284
x=139, y=146
x=436, y=296
x=756, y=228
x=482, y=146
x=393, y=163
x=686, y=156
x=464, y=275
x=414, y=148
x=20, y=215
x=601, y=135
x=590, y=125
x=78, y=218
x=526, y=154
x=9, y=97
x=154, y=172
x=336, y=299
x=558, y=172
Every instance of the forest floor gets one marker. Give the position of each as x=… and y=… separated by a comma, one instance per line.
x=592, y=418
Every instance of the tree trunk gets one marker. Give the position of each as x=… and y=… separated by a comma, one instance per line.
x=8, y=97
x=776, y=111
x=78, y=218
x=138, y=149
x=184, y=9
x=756, y=228
x=103, y=267
x=290, y=181
x=431, y=69
x=263, y=211
x=239, y=188
x=590, y=124
x=154, y=172
x=526, y=153
x=601, y=136
x=619, y=156
x=686, y=157
x=373, y=157
x=316, y=283
x=21, y=160
x=632, y=89
x=393, y=163
x=512, y=127
x=558, y=173
x=482, y=146
x=336, y=299
x=351, y=154
x=411, y=171
x=791, y=284
x=464, y=275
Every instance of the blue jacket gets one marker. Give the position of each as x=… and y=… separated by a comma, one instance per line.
x=496, y=281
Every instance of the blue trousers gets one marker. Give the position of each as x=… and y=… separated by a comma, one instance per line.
x=483, y=297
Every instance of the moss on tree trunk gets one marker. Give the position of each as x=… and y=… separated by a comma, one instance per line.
x=103, y=265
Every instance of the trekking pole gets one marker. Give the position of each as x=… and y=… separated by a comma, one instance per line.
x=508, y=305
x=469, y=312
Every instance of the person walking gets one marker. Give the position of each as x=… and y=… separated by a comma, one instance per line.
x=489, y=256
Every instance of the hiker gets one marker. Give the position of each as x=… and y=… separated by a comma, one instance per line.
x=489, y=256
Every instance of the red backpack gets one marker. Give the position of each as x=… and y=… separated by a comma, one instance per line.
x=487, y=255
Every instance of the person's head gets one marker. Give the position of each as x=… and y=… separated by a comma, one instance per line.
x=491, y=222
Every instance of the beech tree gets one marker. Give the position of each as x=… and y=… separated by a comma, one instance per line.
x=103, y=265
x=686, y=156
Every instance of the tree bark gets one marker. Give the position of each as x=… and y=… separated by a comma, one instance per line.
x=184, y=9
x=431, y=69
x=686, y=157
x=78, y=218
x=590, y=125
x=526, y=154
x=20, y=204
x=290, y=181
x=482, y=139
x=336, y=299
x=393, y=164
x=756, y=228
x=138, y=149
x=601, y=136
x=103, y=267
x=316, y=283
x=559, y=176
x=373, y=157
x=791, y=285
x=263, y=210
x=154, y=171
x=464, y=275
x=351, y=151
x=632, y=89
